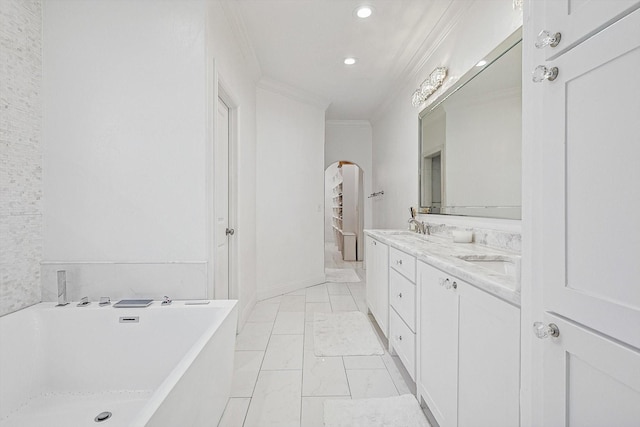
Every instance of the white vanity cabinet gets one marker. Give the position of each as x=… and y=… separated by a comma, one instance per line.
x=468, y=353
x=402, y=313
x=377, y=265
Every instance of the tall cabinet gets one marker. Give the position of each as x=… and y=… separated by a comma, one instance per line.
x=585, y=293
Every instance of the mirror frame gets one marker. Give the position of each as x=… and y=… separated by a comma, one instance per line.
x=493, y=56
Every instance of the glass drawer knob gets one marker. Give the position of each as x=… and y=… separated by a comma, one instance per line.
x=543, y=331
x=542, y=73
x=545, y=38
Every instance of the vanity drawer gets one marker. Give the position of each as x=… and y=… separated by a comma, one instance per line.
x=403, y=263
x=403, y=342
x=402, y=297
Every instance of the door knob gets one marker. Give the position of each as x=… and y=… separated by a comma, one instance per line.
x=543, y=331
x=230, y=231
x=545, y=38
x=542, y=73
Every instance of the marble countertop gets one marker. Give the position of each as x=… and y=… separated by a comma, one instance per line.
x=440, y=252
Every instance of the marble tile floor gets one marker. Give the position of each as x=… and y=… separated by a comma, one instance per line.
x=279, y=382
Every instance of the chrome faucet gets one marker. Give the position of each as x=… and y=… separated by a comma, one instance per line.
x=62, y=288
x=421, y=227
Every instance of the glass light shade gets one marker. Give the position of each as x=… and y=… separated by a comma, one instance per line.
x=364, y=12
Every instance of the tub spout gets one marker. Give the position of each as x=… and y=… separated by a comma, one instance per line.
x=62, y=288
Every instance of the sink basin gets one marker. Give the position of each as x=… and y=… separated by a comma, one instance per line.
x=412, y=236
x=501, y=264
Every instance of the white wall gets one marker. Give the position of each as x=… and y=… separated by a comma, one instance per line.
x=20, y=154
x=290, y=193
x=237, y=73
x=127, y=133
x=395, y=128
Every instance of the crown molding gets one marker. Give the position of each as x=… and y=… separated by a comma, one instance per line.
x=293, y=92
x=349, y=123
x=445, y=25
x=234, y=18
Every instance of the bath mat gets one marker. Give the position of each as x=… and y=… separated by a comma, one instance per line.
x=346, y=333
x=341, y=275
x=397, y=411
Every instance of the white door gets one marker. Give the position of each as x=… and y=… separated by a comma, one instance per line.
x=222, y=229
x=588, y=261
x=578, y=19
x=488, y=360
x=438, y=344
x=589, y=380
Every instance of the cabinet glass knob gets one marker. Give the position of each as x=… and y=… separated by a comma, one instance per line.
x=455, y=285
x=447, y=284
x=400, y=337
x=399, y=262
x=545, y=38
x=400, y=295
x=542, y=73
x=543, y=331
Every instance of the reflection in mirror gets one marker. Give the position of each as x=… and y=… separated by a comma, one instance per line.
x=470, y=141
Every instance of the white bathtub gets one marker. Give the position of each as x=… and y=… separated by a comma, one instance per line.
x=62, y=366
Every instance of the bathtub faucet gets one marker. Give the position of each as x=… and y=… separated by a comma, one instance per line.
x=62, y=288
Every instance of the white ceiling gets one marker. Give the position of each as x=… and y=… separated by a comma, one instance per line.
x=302, y=43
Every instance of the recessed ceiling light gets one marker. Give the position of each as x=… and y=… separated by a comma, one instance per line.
x=364, y=12
x=481, y=63
x=349, y=61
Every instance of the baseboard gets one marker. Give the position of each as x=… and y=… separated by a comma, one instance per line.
x=289, y=287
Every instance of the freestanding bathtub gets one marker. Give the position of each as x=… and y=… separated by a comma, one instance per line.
x=159, y=366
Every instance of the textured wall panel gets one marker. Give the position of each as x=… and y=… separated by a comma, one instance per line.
x=20, y=153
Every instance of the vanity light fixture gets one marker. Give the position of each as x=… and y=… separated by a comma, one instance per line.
x=429, y=86
x=481, y=63
x=349, y=61
x=364, y=12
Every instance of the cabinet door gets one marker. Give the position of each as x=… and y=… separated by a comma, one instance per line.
x=382, y=286
x=488, y=360
x=591, y=183
x=370, y=265
x=377, y=260
x=594, y=381
x=578, y=19
x=438, y=377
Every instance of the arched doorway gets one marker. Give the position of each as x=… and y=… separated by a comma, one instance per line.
x=344, y=214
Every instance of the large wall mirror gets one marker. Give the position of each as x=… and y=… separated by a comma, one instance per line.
x=471, y=139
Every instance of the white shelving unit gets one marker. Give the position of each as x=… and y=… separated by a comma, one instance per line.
x=344, y=210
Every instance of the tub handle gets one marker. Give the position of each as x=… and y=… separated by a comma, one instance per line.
x=83, y=302
x=166, y=300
